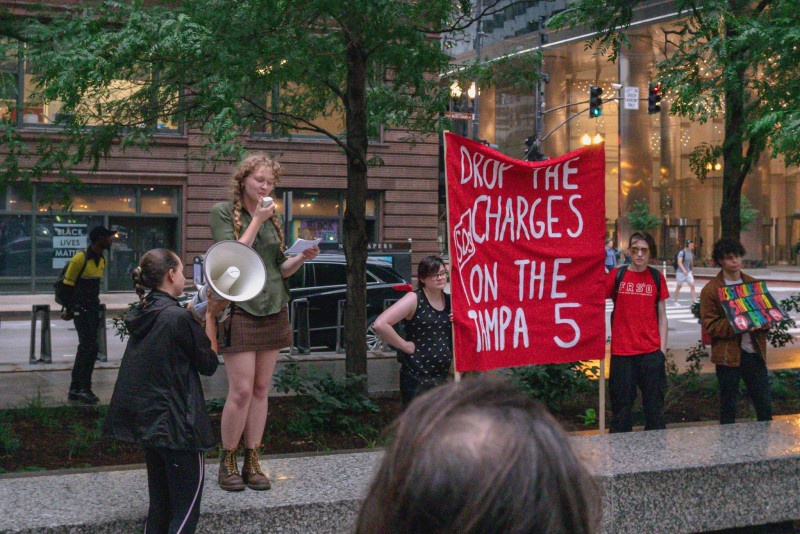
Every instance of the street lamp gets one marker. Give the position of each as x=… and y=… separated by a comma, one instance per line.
x=472, y=91
x=455, y=90
x=587, y=140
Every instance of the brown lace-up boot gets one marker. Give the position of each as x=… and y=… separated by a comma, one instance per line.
x=252, y=474
x=229, y=478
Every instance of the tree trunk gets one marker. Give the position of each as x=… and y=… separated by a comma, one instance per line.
x=734, y=169
x=355, y=228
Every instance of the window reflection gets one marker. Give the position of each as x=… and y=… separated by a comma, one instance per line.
x=58, y=238
x=98, y=105
x=369, y=208
x=15, y=245
x=105, y=198
x=159, y=200
x=312, y=203
x=17, y=200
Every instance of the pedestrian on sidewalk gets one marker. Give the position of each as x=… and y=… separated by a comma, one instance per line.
x=638, y=337
x=684, y=274
x=158, y=399
x=427, y=353
x=611, y=255
x=85, y=273
x=737, y=356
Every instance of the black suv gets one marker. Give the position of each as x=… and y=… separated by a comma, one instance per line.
x=322, y=282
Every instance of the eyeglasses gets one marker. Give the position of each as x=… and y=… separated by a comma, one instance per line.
x=440, y=275
x=637, y=250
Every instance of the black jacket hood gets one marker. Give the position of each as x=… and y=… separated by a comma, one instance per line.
x=143, y=317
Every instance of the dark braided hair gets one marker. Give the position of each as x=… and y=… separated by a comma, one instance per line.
x=245, y=168
x=152, y=270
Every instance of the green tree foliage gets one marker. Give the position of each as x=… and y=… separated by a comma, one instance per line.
x=724, y=58
x=640, y=218
x=216, y=66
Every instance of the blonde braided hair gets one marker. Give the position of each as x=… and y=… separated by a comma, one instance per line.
x=245, y=168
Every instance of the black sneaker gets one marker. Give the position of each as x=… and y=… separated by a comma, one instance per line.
x=74, y=394
x=84, y=396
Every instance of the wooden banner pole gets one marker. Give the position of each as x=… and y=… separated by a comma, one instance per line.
x=601, y=416
x=456, y=374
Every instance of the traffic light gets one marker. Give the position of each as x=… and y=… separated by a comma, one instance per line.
x=653, y=97
x=533, y=151
x=595, y=102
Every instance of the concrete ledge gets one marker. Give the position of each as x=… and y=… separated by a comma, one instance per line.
x=699, y=478
x=676, y=480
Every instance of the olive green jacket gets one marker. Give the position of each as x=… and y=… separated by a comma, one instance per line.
x=275, y=294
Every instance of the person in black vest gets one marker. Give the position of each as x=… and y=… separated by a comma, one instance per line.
x=427, y=353
x=84, y=273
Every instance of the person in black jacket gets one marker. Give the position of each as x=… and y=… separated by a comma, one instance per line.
x=158, y=398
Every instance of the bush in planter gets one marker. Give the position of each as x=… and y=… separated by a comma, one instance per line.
x=327, y=403
x=551, y=384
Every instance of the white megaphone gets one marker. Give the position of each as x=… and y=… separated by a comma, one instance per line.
x=234, y=271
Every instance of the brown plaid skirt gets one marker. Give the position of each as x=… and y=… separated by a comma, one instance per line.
x=243, y=332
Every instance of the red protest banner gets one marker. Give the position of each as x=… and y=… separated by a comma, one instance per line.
x=750, y=306
x=526, y=256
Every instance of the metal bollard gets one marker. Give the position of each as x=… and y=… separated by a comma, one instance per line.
x=340, y=310
x=102, y=339
x=45, y=345
x=299, y=320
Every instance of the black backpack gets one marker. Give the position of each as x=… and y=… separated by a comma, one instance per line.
x=63, y=292
x=675, y=260
x=618, y=278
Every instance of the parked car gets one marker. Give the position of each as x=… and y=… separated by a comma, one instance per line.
x=323, y=283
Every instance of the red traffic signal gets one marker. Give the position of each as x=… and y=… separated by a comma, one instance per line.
x=653, y=97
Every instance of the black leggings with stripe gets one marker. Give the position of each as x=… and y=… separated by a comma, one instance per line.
x=175, y=484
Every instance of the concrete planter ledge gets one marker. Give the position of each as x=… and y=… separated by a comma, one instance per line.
x=675, y=480
x=698, y=478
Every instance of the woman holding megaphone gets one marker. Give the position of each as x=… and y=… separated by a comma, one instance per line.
x=250, y=338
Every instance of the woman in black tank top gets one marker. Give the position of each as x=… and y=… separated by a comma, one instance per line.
x=427, y=351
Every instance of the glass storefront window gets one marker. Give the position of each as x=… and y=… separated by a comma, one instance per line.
x=58, y=238
x=325, y=229
x=16, y=200
x=105, y=198
x=370, y=209
x=36, y=243
x=97, y=104
x=315, y=204
x=36, y=111
x=15, y=245
x=158, y=199
x=319, y=214
x=331, y=119
x=8, y=81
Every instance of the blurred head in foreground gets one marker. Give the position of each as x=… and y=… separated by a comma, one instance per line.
x=479, y=456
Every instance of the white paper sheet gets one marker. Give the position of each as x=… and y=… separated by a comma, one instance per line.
x=302, y=244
